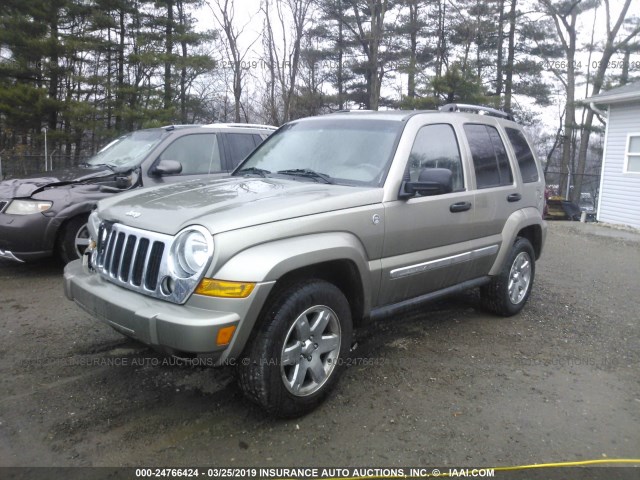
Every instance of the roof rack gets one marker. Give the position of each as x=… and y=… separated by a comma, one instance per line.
x=241, y=125
x=480, y=110
x=173, y=126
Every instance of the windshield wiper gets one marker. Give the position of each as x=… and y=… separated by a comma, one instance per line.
x=307, y=172
x=250, y=170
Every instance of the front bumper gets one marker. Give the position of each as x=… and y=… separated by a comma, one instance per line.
x=24, y=237
x=191, y=328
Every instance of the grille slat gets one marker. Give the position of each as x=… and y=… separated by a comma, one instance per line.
x=155, y=257
x=117, y=254
x=127, y=254
x=140, y=262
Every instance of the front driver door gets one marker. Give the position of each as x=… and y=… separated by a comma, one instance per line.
x=198, y=153
x=430, y=242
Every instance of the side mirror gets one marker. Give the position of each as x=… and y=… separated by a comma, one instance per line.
x=431, y=181
x=167, y=167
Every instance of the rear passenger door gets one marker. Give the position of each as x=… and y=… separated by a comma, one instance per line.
x=530, y=175
x=497, y=194
x=237, y=146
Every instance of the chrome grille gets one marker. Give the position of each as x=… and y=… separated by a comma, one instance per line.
x=132, y=258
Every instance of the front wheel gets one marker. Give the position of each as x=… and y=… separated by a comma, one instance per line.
x=74, y=239
x=298, y=353
x=508, y=292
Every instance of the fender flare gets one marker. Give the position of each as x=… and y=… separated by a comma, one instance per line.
x=518, y=220
x=268, y=262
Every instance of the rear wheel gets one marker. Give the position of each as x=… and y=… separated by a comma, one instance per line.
x=73, y=239
x=508, y=292
x=298, y=353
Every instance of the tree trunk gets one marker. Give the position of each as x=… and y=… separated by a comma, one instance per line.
x=183, y=71
x=120, y=88
x=508, y=90
x=168, y=94
x=499, y=73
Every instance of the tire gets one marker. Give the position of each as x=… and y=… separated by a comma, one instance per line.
x=508, y=292
x=73, y=239
x=281, y=370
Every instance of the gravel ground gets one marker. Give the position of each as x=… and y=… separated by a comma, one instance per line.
x=446, y=385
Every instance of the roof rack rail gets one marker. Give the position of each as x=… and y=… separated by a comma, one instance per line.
x=175, y=125
x=241, y=125
x=354, y=110
x=480, y=110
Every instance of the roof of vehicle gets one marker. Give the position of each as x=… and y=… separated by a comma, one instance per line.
x=470, y=112
x=222, y=126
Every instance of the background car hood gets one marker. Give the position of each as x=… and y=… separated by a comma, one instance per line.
x=231, y=203
x=24, y=187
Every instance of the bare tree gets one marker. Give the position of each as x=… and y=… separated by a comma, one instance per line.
x=565, y=18
x=223, y=12
x=369, y=30
x=614, y=42
x=292, y=18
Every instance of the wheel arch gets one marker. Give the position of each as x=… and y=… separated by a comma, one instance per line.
x=343, y=273
x=533, y=233
x=525, y=223
x=65, y=216
x=57, y=224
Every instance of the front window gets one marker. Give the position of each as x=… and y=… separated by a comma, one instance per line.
x=198, y=154
x=436, y=146
x=632, y=155
x=342, y=151
x=129, y=150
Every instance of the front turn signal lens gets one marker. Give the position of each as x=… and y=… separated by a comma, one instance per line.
x=221, y=288
x=225, y=335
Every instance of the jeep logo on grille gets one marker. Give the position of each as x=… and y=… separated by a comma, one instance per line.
x=133, y=213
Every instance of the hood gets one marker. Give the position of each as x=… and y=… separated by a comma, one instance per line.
x=26, y=186
x=231, y=203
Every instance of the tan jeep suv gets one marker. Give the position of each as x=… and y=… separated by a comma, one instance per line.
x=331, y=221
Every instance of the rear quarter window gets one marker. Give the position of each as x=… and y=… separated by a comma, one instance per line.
x=526, y=160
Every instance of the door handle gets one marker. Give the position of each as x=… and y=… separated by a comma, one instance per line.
x=514, y=197
x=460, y=207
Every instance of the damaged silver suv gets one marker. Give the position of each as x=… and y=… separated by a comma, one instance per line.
x=331, y=221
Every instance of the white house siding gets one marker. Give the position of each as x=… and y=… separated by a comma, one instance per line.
x=620, y=192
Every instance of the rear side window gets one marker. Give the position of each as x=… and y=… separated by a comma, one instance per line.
x=526, y=161
x=240, y=145
x=490, y=159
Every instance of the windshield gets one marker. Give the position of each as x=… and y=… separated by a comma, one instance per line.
x=328, y=150
x=129, y=150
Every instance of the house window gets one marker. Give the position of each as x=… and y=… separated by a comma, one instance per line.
x=632, y=155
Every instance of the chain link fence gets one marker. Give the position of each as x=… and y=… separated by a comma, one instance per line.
x=12, y=166
x=562, y=182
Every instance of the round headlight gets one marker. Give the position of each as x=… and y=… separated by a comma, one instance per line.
x=191, y=251
x=195, y=252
